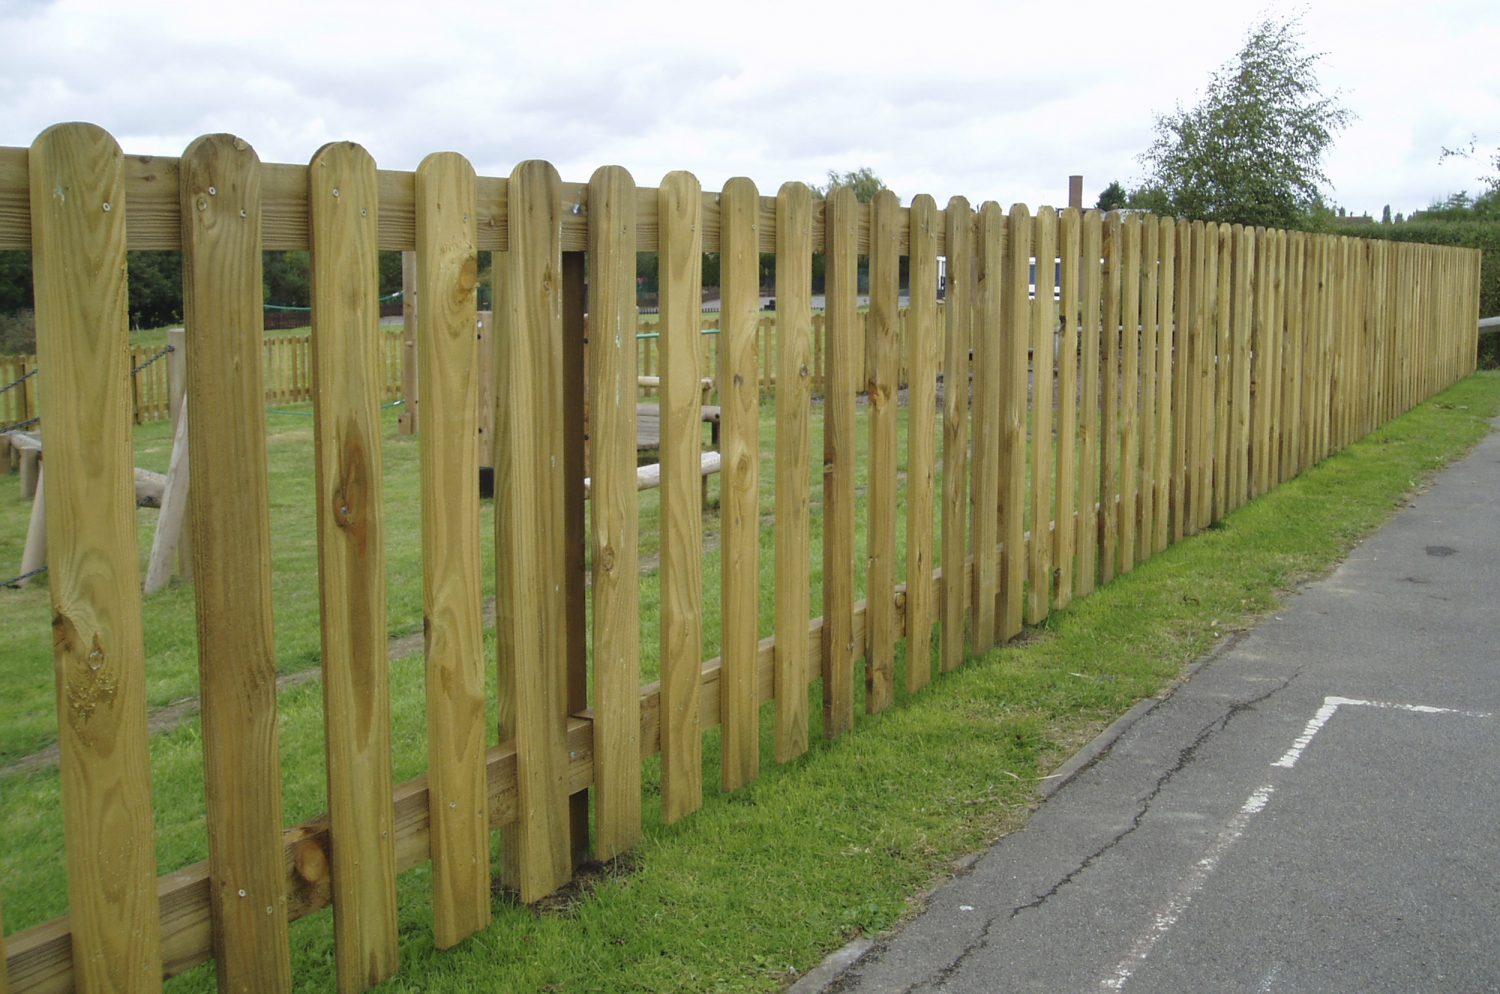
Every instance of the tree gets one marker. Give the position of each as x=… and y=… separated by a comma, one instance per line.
x=1112, y=197
x=1251, y=151
x=863, y=181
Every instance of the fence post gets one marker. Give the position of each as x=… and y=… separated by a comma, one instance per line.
x=406, y=422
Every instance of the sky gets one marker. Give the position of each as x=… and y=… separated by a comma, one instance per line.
x=992, y=101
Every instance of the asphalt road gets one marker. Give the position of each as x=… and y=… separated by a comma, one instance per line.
x=1314, y=810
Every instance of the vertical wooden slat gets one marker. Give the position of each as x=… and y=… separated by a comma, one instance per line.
x=1295, y=352
x=1223, y=379
x=78, y=259
x=883, y=359
x=958, y=318
x=680, y=218
x=1244, y=261
x=922, y=366
x=1006, y=257
x=230, y=518
x=1109, y=356
x=1043, y=464
x=1150, y=262
x=1192, y=321
x=739, y=501
x=532, y=500
x=1130, y=387
x=841, y=228
x=990, y=445
x=1260, y=348
x=343, y=214
x=1067, y=412
x=447, y=264
x=575, y=539
x=613, y=522
x=793, y=476
x=1088, y=459
x=1165, y=410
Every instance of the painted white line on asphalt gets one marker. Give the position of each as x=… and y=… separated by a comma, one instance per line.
x=1167, y=915
x=1332, y=704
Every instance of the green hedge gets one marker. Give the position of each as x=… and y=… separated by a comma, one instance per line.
x=1483, y=235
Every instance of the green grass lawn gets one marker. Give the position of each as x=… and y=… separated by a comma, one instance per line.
x=764, y=881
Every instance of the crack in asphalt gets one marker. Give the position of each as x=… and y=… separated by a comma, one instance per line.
x=1185, y=758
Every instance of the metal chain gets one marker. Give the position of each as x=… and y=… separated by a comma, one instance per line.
x=16, y=583
x=13, y=385
x=156, y=358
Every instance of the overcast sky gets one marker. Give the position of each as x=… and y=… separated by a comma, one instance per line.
x=996, y=101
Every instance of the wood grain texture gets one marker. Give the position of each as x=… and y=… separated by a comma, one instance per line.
x=78, y=259
x=1088, y=442
x=1043, y=333
x=1165, y=363
x=839, y=459
x=794, y=361
x=988, y=454
x=739, y=501
x=1150, y=286
x=534, y=670
x=681, y=275
x=883, y=359
x=1109, y=359
x=613, y=521
x=1223, y=378
x=1130, y=392
x=230, y=519
x=447, y=270
x=1203, y=503
x=958, y=317
x=1007, y=245
x=1064, y=552
x=1244, y=261
x=351, y=560
x=922, y=370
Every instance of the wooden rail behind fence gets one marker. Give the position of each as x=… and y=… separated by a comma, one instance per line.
x=1187, y=368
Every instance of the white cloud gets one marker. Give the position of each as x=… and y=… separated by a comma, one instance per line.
x=989, y=100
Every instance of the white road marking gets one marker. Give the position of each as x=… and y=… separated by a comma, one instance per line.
x=1332, y=704
x=1172, y=909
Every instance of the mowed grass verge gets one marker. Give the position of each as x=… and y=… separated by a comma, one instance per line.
x=764, y=881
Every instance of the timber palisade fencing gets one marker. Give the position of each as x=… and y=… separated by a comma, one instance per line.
x=1186, y=368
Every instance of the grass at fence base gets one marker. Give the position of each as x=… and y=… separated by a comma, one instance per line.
x=764, y=882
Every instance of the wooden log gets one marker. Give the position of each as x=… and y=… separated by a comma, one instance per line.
x=447, y=366
x=883, y=359
x=794, y=360
x=922, y=369
x=531, y=497
x=76, y=174
x=34, y=552
x=739, y=501
x=344, y=208
x=227, y=495
x=613, y=523
x=170, y=523
x=680, y=213
x=31, y=470
x=839, y=460
x=177, y=385
x=959, y=317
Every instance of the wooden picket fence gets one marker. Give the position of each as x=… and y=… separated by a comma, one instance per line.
x=1188, y=368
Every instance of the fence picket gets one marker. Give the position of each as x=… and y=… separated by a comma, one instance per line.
x=680, y=216
x=446, y=262
x=1165, y=366
x=922, y=366
x=1007, y=240
x=1089, y=455
x=959, y=319
x=1109, y=356
x=1043, y=334
x=794, y=359
x=228, y=494
x=1065, y=537
x=94, y=576
x=1130, y=391
x=1146, y=485
x=841, y=227
x=991, y=446
x=883, y=359
x=739, y=501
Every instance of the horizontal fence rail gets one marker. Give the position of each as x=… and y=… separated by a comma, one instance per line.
x=1157, y=376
